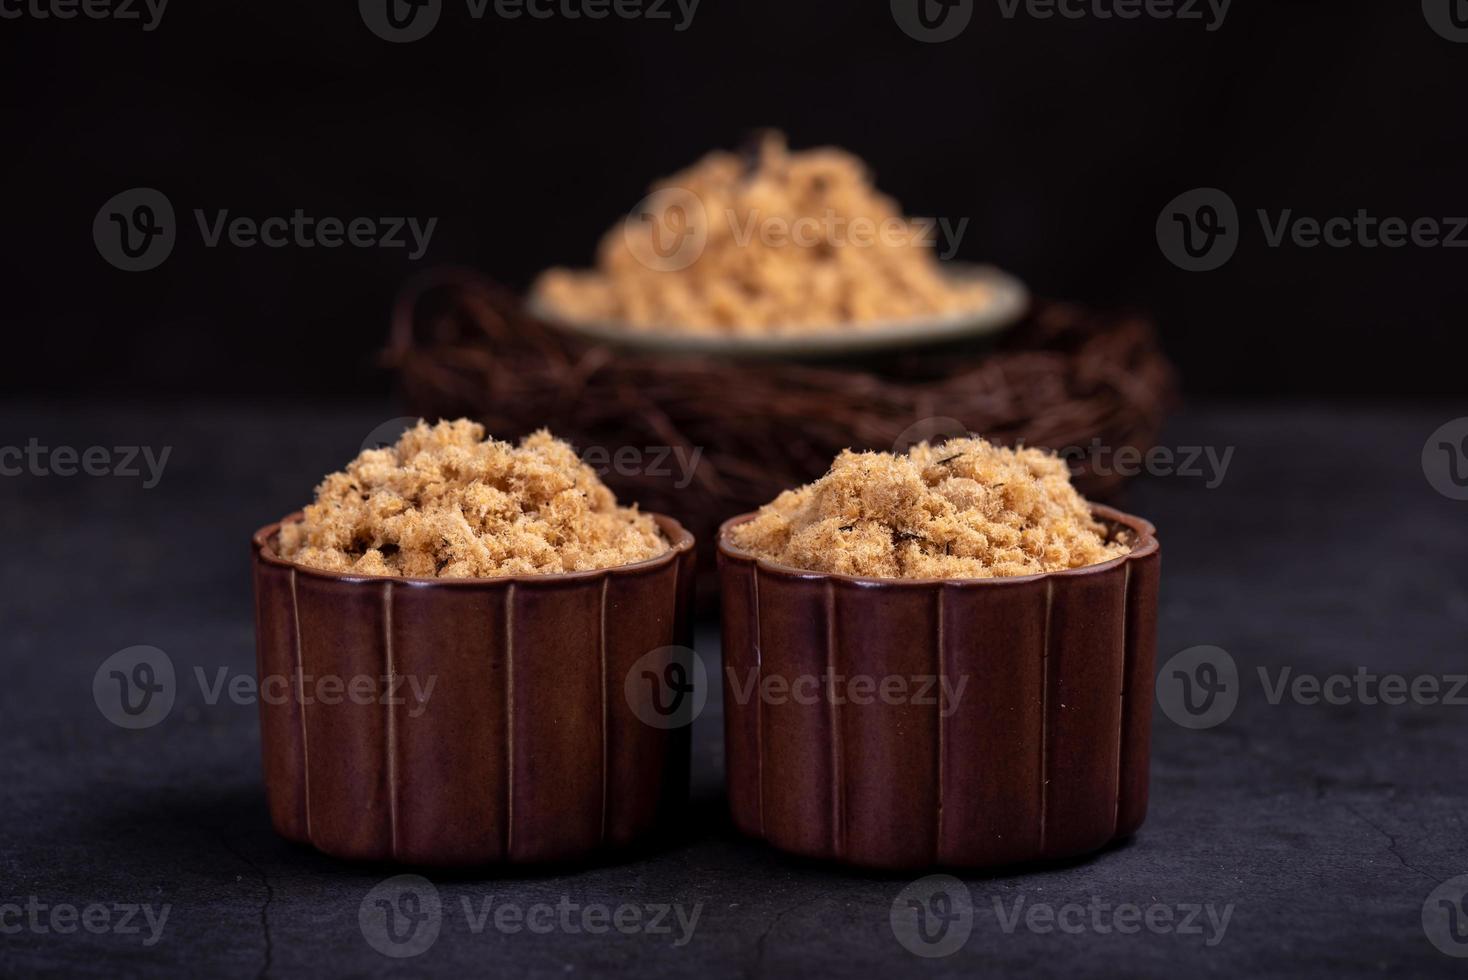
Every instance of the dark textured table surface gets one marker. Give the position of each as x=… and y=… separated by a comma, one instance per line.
x=1308, y=836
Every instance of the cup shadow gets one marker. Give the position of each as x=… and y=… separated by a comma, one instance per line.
x=188, y=826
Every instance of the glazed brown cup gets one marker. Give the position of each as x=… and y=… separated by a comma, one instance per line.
x=1014, y=725
x=524, y=748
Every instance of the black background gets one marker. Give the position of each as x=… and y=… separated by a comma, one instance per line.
x=1061, y=140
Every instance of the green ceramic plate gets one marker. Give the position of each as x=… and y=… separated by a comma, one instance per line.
x=1008, y=302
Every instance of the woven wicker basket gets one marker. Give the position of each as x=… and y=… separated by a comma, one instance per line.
x=1064, y=378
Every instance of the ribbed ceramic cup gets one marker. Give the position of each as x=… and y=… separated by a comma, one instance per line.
x=1014, y=725
x=525, y=749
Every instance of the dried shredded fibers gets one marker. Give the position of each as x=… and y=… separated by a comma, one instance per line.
x=962, y=509
x=784, y=243
x=444, y=502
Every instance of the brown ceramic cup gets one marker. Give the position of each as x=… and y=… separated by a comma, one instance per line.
x=524, y=749
x=1013, y=725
